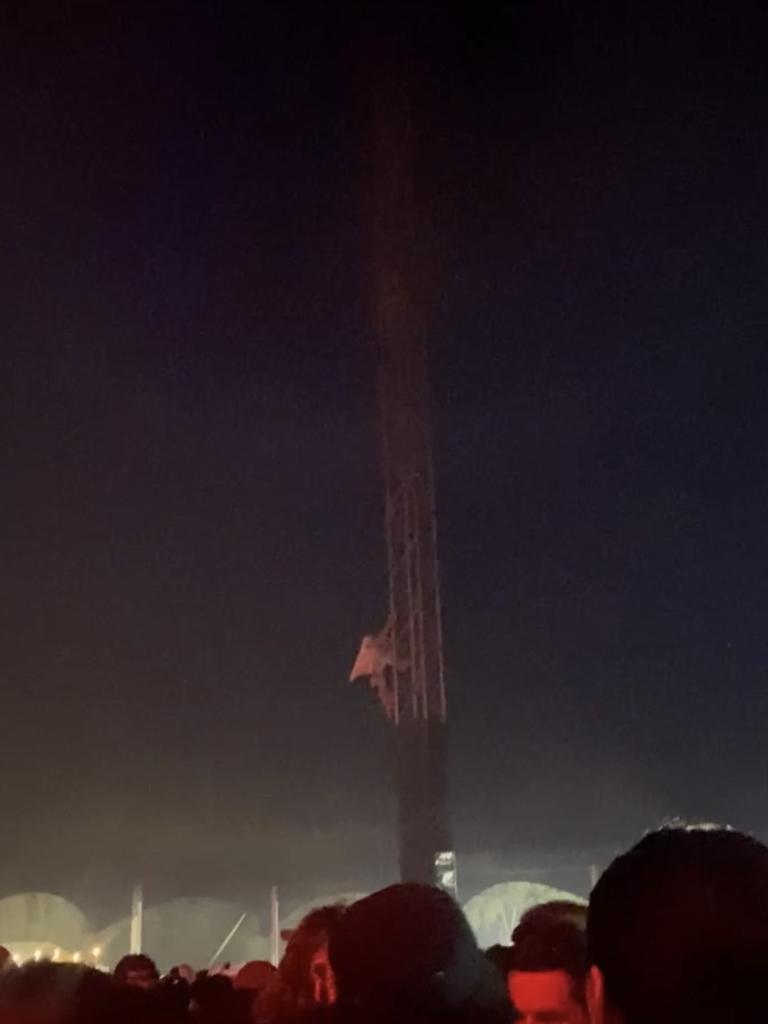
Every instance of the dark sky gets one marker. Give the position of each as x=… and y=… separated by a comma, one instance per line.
x=191, y=508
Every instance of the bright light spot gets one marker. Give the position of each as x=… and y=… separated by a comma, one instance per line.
x=38, y=954
x=76, y=958
x=56, y=953
x=17, y=959
x=96, y=951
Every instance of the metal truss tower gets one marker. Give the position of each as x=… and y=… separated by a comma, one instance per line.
x=416, y=699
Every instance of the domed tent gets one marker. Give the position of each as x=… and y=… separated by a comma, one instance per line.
x=494, y=913
x=188, y=931
x=43, y=919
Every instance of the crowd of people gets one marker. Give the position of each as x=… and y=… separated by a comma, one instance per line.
x=676, y=931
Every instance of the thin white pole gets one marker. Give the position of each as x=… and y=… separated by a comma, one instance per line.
x=274, y=927
x=137, y=918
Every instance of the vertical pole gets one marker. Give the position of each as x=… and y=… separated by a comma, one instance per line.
x=274, y=927
x=594, y=874
x=137, y=918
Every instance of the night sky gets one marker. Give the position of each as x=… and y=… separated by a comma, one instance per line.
x=191, y=520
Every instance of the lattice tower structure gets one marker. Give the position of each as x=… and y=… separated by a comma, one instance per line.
x=419, y=707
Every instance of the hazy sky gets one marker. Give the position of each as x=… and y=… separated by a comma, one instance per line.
x=191, y=509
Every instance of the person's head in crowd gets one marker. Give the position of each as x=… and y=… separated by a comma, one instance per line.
x=407, y=953
x=6, y=960
x=182, y=973
x=96, y=999
x=499, y=956
x=136, y=971
x=35, y=992
x=56, y=993
x=254, y=976
x=556, y=910
x=304, y=979
x=214, y=1000
x=547, y=965
x=678, y=931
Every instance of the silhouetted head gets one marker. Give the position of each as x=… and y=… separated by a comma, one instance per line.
x=304, y=980
x=543, y=914
x=254, y=976
x=56, y=993
x=500, y=957
x=678, y=930
x=408, y=951
x=136, y=971
x=548, y=965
